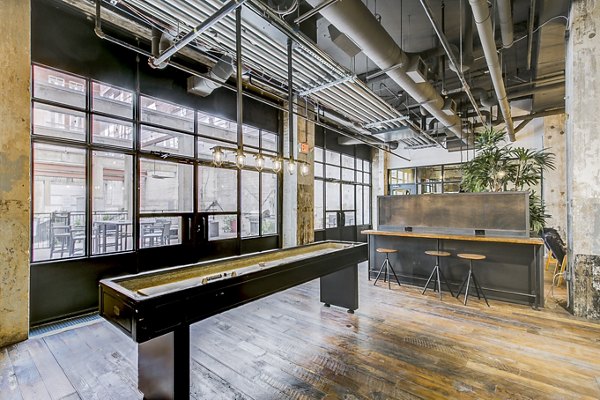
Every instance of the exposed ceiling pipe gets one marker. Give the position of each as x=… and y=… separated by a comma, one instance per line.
x=356, y=21
x=467, y=56
x=506, y=22
x=534, y=90
x=483, y=21
x=486, y=99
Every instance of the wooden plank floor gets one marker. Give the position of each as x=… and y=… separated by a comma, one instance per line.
x=398, y=345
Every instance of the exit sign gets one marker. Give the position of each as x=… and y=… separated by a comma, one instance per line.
x=304, y=148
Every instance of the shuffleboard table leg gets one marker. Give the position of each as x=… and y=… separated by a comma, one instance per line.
x=341, y=288
x=164, y=366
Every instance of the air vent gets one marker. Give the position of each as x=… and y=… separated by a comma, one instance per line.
x=417, y=70
x=449, y=107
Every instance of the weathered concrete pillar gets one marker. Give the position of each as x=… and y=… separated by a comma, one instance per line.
x=289, y=212
x=583, y=160
x=555, y=181
x=15, y=106
x=306, y=184
x=378, y=177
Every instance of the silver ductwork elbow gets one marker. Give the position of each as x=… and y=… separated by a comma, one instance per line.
x=220, y=72
x=161, y=40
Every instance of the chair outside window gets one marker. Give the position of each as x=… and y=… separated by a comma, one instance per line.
x=156, y=234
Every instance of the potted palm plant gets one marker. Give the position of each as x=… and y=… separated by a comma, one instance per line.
x=498, y=167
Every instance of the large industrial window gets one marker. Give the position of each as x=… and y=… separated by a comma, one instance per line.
x=424, y=180
x=342, y=190
x=106, y=181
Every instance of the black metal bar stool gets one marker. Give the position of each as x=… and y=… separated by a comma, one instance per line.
x=437, y=272
x=387, y=266
x=471, y=276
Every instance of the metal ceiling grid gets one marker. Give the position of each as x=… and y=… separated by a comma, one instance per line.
x=265, y=55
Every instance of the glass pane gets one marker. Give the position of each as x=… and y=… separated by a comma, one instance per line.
x=251, y=136
x=332, y=193
x=112, y=131
x=250, y=203
x=331, y=220
x=156, y=232
x=366, y=178
x=451, y=187
x=112, y=202
x=167, y=114
x=205, y=152
x=268, y=209
x=222, y=227
x=58, y=87
x=331, y=157
x=367, y=205
x=59, y=202
x=359, y=176
x=349, y=219
x=216, y=127
x=164, y=141
x=318, y=208
x=318, y=154
x=359, y=204
x=431, y=188
x=406, y=175
x=165, y=186
x=58, y=122
x=332, y=172
x=347, y=197
x=318, y=170
x=366, y=166
x=217, y=189
x=347, y=175
x=452, y=173
x=347, y=161
x=112, y=100
x=427, y=174
x=269, y=141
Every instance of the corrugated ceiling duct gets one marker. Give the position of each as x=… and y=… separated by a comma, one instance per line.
x=355, y=20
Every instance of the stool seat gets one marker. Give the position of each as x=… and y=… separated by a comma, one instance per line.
x=470, y=256
x=438, y=253
x=383, y=250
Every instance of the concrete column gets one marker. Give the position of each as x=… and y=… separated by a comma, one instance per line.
x=379, y=173
x=306, y=184
x=289, y=212
x=583, y=160
x=555, y=181
x=15, y=109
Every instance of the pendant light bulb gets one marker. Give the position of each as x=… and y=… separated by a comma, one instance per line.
x=240, y=159
x=218, y=156
x=277, y=164
x=304, y=169
x=291, y=166
x=260, y=162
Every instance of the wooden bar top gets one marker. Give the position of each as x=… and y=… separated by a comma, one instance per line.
x=473, y=238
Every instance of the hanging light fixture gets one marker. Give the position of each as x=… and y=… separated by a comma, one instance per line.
x=240, y=159
x=277, y=164
x=260, y=161
x=218, y=156
x=304, y=169
x=291, y=166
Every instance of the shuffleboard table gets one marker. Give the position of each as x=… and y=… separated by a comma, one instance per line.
x=156, y=308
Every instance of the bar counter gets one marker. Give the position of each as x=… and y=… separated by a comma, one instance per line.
x=512, y=270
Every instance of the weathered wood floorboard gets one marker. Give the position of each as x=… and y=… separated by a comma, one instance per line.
x=398, y=345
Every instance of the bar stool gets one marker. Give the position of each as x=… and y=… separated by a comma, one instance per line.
x=387, y=266
x=467, y=280
x=437, y=284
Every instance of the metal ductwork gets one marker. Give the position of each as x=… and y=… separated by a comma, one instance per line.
x=486, y=99
x=467, y=47
x=355, y=20
x=282, y=7
x=506, y=22
x=160, y=42
x=221, y=71
x=483, y=21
